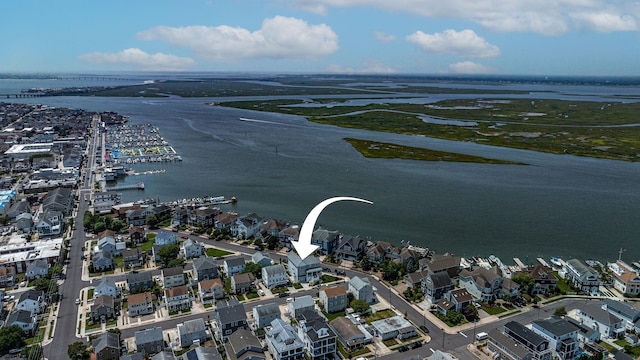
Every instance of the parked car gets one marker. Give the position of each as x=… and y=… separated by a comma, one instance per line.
x=78, y=301
x=284, y=294
x=416, y=345
x=403, y=348
x=424, y=329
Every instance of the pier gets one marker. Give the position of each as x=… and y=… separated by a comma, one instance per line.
x=519, y=263
x=138, y=186
x=542, y=262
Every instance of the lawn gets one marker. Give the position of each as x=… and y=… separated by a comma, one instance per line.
x=297, y=285
x=147, y=245
x=334, y=315
x=378, y=315
x=390, y=342
x=252, y=295
x=493, y=310
x=328, y=278
x=213, y=252
x=562, y=284
x=90, y=293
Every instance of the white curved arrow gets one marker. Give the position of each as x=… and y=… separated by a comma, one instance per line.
x=303, y=246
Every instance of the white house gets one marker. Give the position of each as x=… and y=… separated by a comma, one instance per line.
x=274, y=276
x=234, y=265
x=191, y=249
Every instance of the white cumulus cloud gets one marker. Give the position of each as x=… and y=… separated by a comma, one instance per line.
x=464, y=43
x=547, y=17
x=140, y=60
x=380, y=36
x=279, y=37
x=469, y=67
x=605, y=22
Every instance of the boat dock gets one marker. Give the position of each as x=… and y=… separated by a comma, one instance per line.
x=138, y=186
x=542, y=262
x=519, y=263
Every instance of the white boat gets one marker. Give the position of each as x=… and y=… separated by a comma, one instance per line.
x=556, y=261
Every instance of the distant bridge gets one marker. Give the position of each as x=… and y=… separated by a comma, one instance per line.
x=22, y=95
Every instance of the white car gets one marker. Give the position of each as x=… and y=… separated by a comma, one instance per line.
x=77, y=301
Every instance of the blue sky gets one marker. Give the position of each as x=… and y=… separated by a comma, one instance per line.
x=510, y=37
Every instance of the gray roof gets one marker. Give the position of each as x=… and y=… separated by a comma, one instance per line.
x=622, y=308
x=358, y=282
x=440, y=279
x=139, y=277
x=38, y=263
x=556, y=326
x=31, y=294
x=235, y=261
x=303, y=302
x=134, y=356
x=192, y=326
x=106, y=281
x=242, y=340
x=283, y=337
x=317, y=327
x=258, y=256
x=204, y=262
x=525, y=333
x=178, y=270
x=164, y=355
x=584, y=330
x=267, y=309
x=22, y=316
x=275, y=269
x=508, y=343
x=295, y=260
x=599, y=314
x=582, y=268
x=233, y=311
x=104, y=340
x=148, y=336
x=201, y=353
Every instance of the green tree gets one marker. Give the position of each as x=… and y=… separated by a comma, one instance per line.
x=525, y=281
x=99, y=227
x=168, y=253
x=365, y=264
x=390, y=270
x=470, y=312
x=46, y=285
x=560, y=311
x=5, y=220
x=11, y=337
x=55, y=270
x=151, y=221
x=87, y=220
x=359, y=306
x=253, y=268
x=78, y=350
x=272, y=242
x=454, y=318
x=176, y=262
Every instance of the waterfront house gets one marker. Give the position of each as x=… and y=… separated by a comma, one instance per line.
x=139, y=281
x=140, y=304
x=37, y=269
x=435, y=285
x=271, y=227
x=415, y=278
x=166, y=238
x=246, y=226
x=361, y=289
x=300, y=305
x=543, y=277
x=282, y=341
x=132, y=258
x=445, y=262
x=274, y=276
x=625, y=278
x=149, y=341
x=230, y=316
x=191, y=249
x=202, y=216
x=177, y=298
x=32, y=301
x=106, y=286
x=210, y=290
x=460, y=298
x=409, y=259
x=261, y=259
x=327, y=240
x=243, y=345
x=561, y=335
x=192, y=332
x=23, y=319
x=595, y=317
x=137, y=234
x=102, y=261
x=351, y=248
x=394, y=327
x=103, y=308
x=138, y=217
x=225, y=220
x=348, y=333
x=50, y=223
x=382, y=251
x=242, y=283
x=581, y=276
x=318, y=338
x=233, y=265
x=106, y=346
x=510, y=288
x=304, y=271
x=333, y=298
x=289, y=234
x=205, y=268
x=484, y=284
x=7, y=276
x=180, y=216
x=173, y=277
x=264, y=314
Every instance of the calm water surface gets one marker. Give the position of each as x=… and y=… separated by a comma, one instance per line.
x=557, y=206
